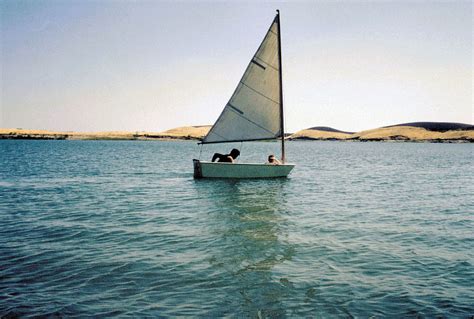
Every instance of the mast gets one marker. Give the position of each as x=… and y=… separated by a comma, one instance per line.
x=282, y=127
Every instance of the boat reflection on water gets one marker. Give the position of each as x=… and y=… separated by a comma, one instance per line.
x=249, y=222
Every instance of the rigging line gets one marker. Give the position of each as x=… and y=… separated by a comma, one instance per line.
x=260, y=93
x=256, y=124
x=268, y=64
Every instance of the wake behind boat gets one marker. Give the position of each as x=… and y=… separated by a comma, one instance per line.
x=253, y=113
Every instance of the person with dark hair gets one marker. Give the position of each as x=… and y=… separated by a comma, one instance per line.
x=272, y=160
x=226, y=158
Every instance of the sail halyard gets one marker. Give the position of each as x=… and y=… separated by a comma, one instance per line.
x=254, y=110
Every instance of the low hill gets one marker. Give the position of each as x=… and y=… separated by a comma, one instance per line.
x=188, y=132
x=411, y=133
x=320, y=133
x=415, y=132
x=438, y=126
x=328, y=129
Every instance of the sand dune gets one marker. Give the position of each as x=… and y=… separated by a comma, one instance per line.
x=409, y=133
x=436, y=132
x=193, y=132
x=438, y=126
x=315, y=134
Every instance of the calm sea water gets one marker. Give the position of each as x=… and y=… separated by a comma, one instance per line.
x=106, y=228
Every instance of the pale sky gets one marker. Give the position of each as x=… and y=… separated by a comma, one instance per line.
x=155, y=65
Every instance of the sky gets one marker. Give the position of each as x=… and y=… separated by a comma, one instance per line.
x=88, y=65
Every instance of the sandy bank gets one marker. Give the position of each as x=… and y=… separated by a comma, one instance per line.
x=392, y=133
x=181, y=133
x=408, y=133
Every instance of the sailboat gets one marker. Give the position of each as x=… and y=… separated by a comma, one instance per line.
x=253, y=113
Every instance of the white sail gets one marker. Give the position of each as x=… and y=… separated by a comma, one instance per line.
x=253, y=111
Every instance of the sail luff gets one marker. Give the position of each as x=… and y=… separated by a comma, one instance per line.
x=253, y=110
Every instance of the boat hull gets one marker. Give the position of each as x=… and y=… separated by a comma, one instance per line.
x=204, y=169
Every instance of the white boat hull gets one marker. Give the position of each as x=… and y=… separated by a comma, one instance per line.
x=203, y=169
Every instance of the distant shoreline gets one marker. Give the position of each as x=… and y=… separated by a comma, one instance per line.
x=429, y=132
x=40, y=135
x=180, y=134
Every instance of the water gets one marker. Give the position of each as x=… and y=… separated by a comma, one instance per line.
x=105, y=228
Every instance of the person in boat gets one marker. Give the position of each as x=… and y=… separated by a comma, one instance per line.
x=226, y=158
x=272, y=160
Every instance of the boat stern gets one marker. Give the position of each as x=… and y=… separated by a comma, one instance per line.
x=197, y=168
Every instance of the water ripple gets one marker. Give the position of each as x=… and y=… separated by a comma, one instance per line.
x=105, y=229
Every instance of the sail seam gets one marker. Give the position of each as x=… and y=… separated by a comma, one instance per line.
x=260, y=93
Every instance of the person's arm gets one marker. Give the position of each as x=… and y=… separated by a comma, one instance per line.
x=231, y=159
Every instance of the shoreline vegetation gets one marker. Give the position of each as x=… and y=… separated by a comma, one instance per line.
x=434, y=132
